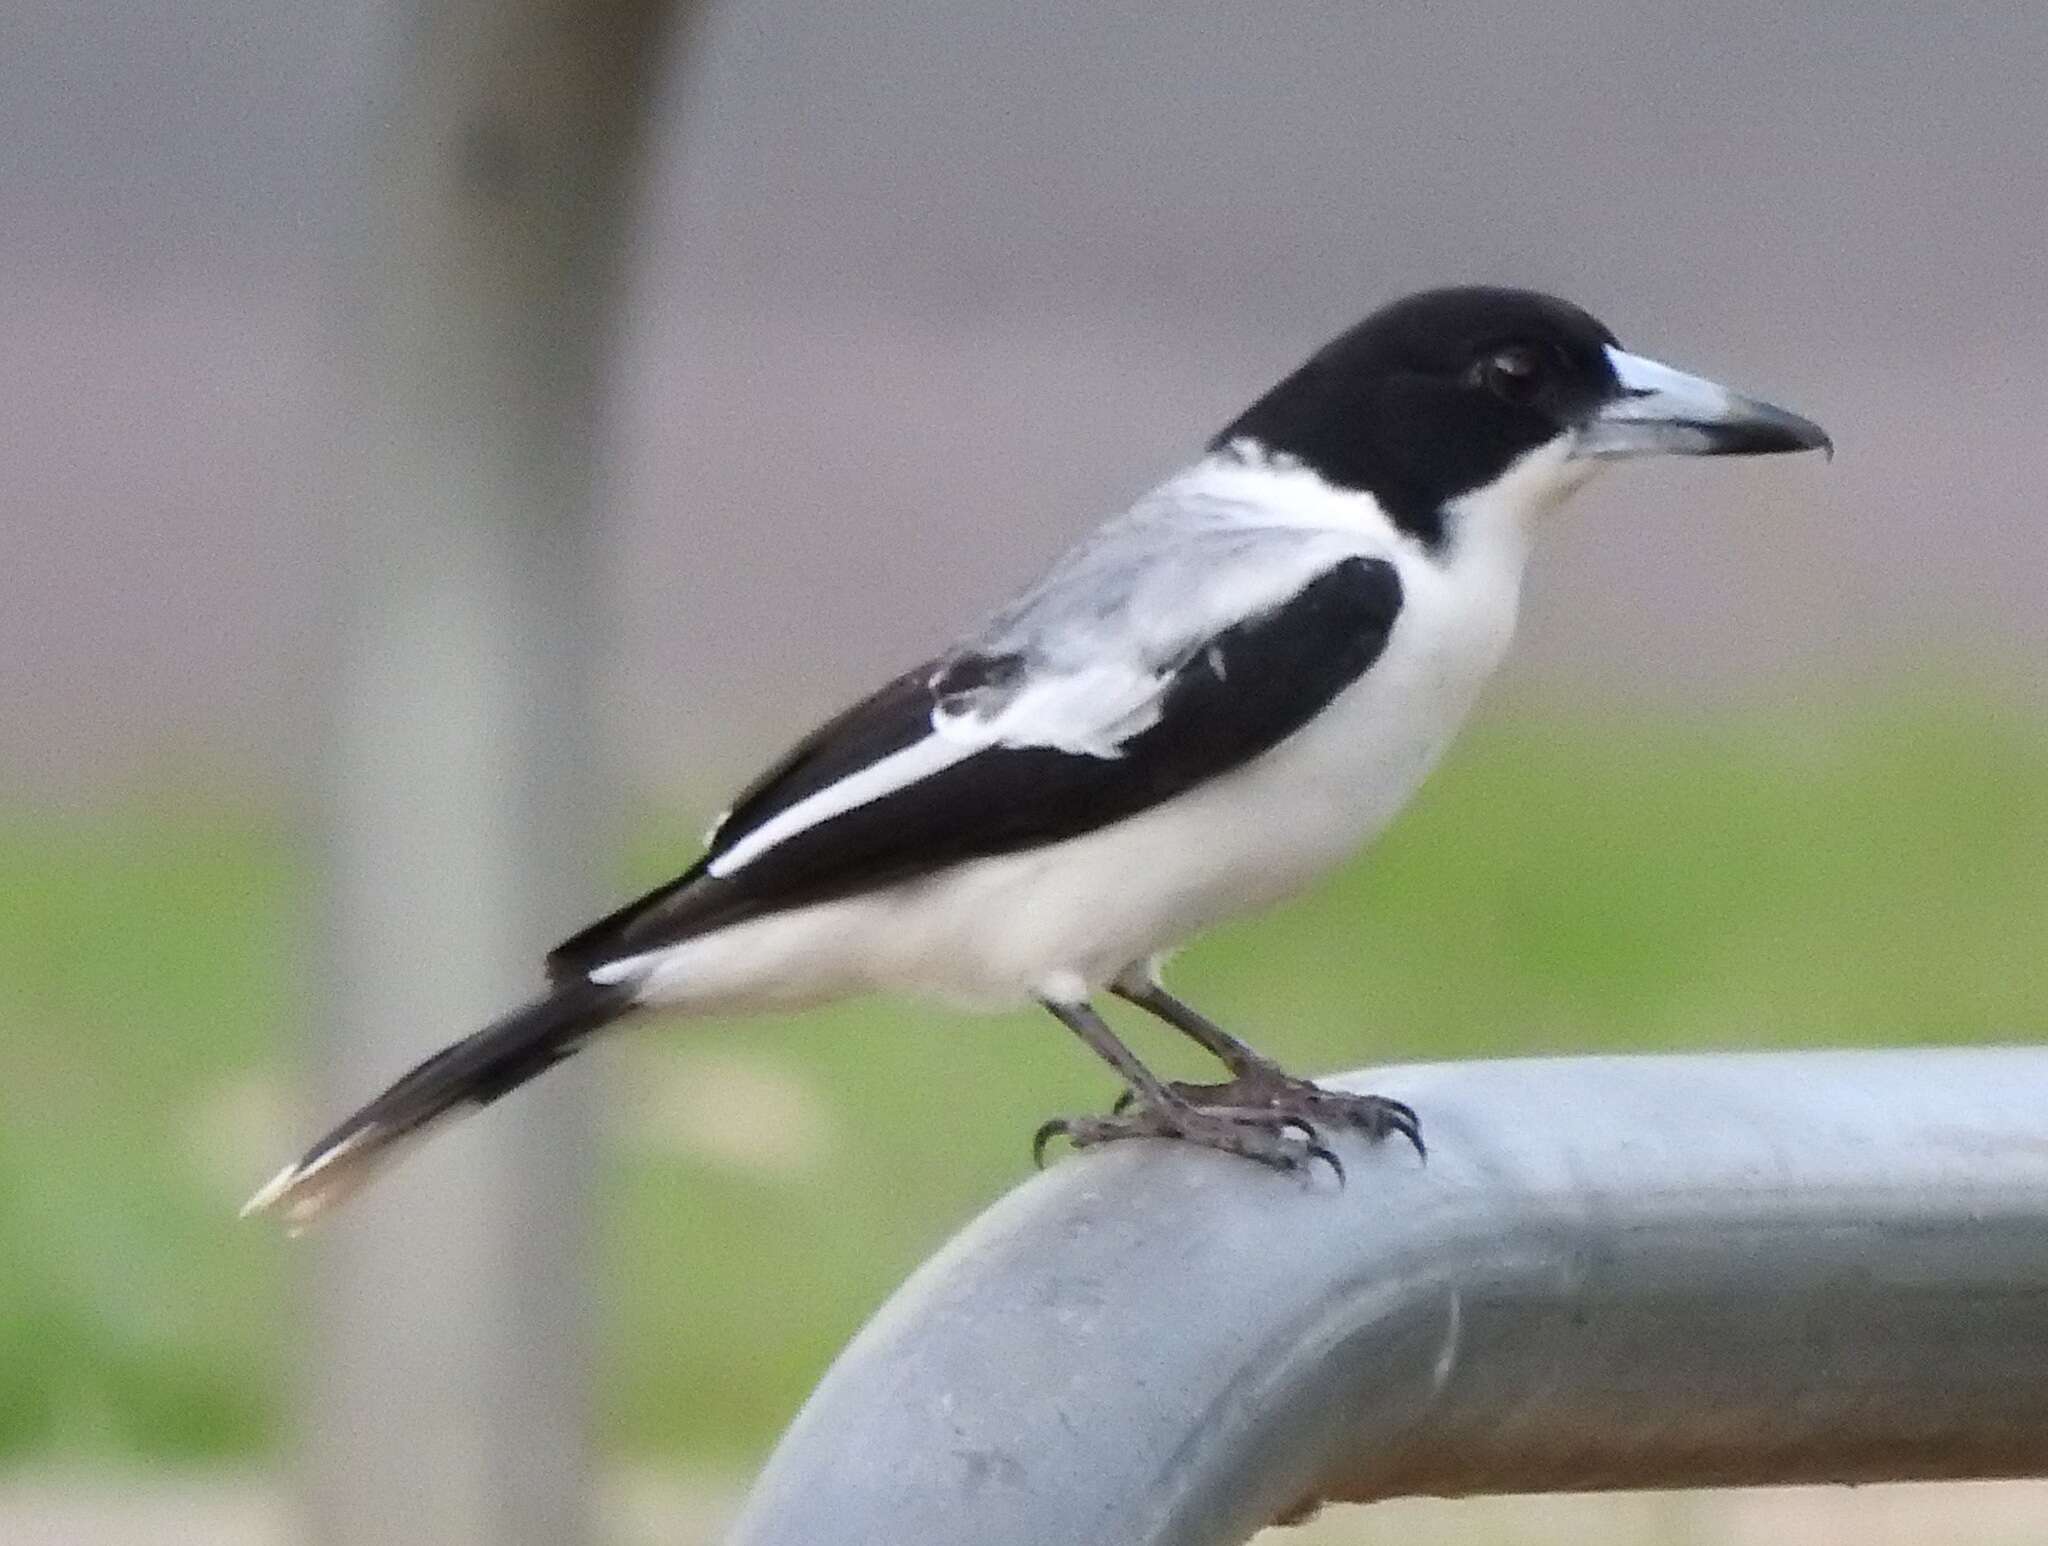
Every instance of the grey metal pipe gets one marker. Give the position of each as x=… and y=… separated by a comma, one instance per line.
x=1611, y=1273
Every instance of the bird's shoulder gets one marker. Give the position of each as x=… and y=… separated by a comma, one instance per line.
x=1182, y=564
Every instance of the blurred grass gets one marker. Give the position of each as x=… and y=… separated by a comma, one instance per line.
x=1870, y=876
x=142, y=972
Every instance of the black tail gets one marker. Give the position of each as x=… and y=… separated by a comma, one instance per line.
x=453, y=1082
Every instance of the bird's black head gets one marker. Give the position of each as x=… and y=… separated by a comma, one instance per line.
x=1437, y=396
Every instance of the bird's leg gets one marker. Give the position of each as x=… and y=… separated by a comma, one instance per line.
x=1157, y=1111
x=1141, y=988
x=1256, y=1081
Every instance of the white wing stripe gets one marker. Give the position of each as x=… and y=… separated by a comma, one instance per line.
x=898, y=770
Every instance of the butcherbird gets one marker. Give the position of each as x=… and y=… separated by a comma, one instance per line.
x=1212, y=699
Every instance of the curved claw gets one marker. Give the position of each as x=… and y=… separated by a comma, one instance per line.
x=1047, y=1131
x=1124, y=1102
x=1402, y=1119
x=1381, y=1117
x=1322, y=1151
x=1305, y=1128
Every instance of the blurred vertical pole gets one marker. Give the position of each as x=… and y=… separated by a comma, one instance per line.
x=470, y=795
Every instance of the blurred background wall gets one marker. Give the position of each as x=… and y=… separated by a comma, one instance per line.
x=935, y=284
x=924, y=288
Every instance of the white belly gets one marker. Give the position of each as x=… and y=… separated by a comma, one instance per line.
x=1068, y=917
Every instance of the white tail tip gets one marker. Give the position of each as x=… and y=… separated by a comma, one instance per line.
x=271, y=1190
x=301, y=1192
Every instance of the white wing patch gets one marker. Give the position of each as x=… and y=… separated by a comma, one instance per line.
x=1087, y=713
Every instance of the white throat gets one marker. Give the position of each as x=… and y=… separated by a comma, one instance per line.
x=1496, y=523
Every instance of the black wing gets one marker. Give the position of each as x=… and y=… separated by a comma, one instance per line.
x=1237, y=694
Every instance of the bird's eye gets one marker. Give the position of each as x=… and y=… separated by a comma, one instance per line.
x=1514, y=374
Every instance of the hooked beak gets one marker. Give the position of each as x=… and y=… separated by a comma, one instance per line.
x=1661, y=410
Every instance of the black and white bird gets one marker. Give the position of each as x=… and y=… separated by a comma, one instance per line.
x=1212, y=699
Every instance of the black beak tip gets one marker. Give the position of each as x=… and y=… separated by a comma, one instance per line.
x=1805, y=435
x=1813, y=438
x=1773, y=431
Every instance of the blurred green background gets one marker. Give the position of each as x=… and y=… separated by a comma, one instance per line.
x=1844, y=875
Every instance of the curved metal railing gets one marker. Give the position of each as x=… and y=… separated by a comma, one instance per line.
x=1611, y=1273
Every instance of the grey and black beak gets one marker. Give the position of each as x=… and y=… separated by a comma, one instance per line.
x=1656, y=410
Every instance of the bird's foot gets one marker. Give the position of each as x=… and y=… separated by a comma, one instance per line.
x=1265, y=1089
x=1265, y=1136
